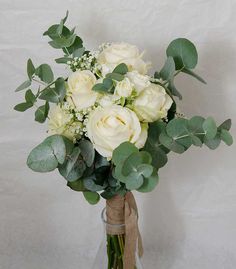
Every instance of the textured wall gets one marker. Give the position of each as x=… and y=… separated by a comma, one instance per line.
x=189, y=221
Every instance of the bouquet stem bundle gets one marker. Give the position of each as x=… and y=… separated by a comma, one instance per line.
x=122, y=232
x=115, y=251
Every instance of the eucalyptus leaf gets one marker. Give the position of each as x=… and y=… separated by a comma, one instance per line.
x=184, y=53
x=54, y=95
x=226, y=137
x=87, y=151
x=170, y=143
x=30, y=97
x=90, y=184
x=23, y=106
x=191, y=73
x=62, y=42
x=44, y=72
x=53, y=33
x=134, y=181
x=121, y=69
x=47, y=155
x=78, y=43
x=41, y=113
x=153, y=146
x=149, y=183
x=23, y=86
x=177, y=127
x=99, y=87
x=209, y=126
x=30, y=69
x=168, y=70
x=212, y=143
x=92, y=197
x=122, y=152
x=115, y=76
x=77, y=185
x=226, y=125
x=63, y=60
x=78, y=52
x=173, y=90
x=73, y=168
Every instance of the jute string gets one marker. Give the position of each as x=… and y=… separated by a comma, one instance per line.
x=123, y=210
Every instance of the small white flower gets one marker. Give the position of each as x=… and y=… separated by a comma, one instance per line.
x=124, y=88
x=139, y=81
x=152, y=103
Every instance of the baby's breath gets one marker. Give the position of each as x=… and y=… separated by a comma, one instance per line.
x=87, y=61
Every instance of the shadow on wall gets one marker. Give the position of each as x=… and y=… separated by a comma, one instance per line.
x=164, y=223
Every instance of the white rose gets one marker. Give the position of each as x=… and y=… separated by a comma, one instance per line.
x=110, y=126
x=108, y=100
x=124, y=88
x=139, y=81
x=118, y=53
x=143, y=136
x=60, y=122
x=152, y=104
x=80, y=84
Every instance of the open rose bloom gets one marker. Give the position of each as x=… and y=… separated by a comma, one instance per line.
x=111, y=125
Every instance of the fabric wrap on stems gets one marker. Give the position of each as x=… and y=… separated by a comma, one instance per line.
x=123, y=210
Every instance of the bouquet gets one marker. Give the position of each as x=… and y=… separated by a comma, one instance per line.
x=111, y=126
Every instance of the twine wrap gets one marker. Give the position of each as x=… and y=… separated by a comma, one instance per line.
x=123, y=210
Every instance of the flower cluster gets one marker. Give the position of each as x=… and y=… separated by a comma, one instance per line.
x=111, y=124
x=87, y=61
x=110, y=118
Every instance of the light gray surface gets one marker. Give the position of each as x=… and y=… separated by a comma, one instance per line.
x=189, y=221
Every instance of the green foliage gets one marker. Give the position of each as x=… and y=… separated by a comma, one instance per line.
x=55, y=94
x=118, y=73
x=179, y=134
x=184, y=53
x=92, y=197
x=22, y=107
x=63, y=38
x=41, y=113
x=133, y=168
x=181, y=57
x=23, y=86
x=79, y=158
x=63, y=60
x=226, y=125
x=30, y=99
x=122, y=152
x=47, y=155
x=108, y=83
x=150, y=182
x=153, y=145
x=121, y=69
x=87, y=151
x=210, y=128
x=30, y=69
x=168, y=70
x=107, y=86
x=77, y=185
x=191, y=73
x=73, y=167
x=226, y=137
x=44, y=72
x=115, y=76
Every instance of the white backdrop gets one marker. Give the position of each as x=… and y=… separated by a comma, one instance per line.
x=189, y=221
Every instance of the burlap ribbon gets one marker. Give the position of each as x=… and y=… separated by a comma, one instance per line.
x=123, y=210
